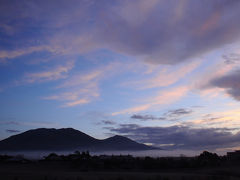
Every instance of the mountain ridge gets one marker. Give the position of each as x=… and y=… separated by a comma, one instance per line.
x=67, y=139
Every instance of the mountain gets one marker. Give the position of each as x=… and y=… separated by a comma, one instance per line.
x=124, y=143
x=66, y=139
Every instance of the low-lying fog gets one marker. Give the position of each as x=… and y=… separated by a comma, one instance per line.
x=151, y=153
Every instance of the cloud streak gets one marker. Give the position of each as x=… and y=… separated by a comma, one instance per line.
x=230, y=82
x=28, y=123
x=82, y=88
x=171, y=115
x=231, y=58
x=146, y=117
x=181, y=137
x=178, y=112
x=163, y=98
x=58, y=72
x=12, y=131
x=164, y=76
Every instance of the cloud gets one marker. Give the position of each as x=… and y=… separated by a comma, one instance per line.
x=28, y=123
x=58, y=72
x=98, y=118
x=171, y=36
x=231, y=58
x=9, y=123
x=210, y=121
x=181, y=137
x=133, y=109
x=171, y=115
x=165, y=76
x=12, y=131
x=224, y=118
x=50, y=74
x=82, y=88
x=146, y=117
x=83, y=78
x=10, y=54
x=230, y=83
x=163, y=98
x=221, y=67
x=163, y=32
x=178, y=112
x=108, y=122
x=77, y=102
x=78, y=95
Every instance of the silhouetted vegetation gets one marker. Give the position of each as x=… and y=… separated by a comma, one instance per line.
x=84, y=161
x=205, y=166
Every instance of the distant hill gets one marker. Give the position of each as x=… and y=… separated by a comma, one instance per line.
x=67, y=139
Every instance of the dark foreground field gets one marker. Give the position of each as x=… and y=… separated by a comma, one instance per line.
x=85, y=167
x=58, y=171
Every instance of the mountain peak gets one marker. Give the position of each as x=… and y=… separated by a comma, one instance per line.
x=118, y=136
x=66, y=139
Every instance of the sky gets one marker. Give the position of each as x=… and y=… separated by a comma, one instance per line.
x=161, y=72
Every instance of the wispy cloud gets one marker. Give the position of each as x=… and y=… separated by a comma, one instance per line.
x=82, y=88
x=171, y=115
x=11, y=122
x=178, y=112
x=12, y=131
x=28, y=123
x=77, y=102
x=81, y=79
x=10, y=54
x=51, y=73
x=221, y=119
x=163, y=98
x=146, y=117
x=133, y=109
x=77, y=95
x=98, y=118
x=165, y=76
x=202, y=82
x=231, y=58
x=58, y=72
x=108, y=122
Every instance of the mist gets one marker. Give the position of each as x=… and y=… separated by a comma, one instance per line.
x=36, y=155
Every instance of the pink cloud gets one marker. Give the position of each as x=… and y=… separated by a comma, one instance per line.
x=58, y=72
x=165, y=76
x=163, y=98
x=83, y=88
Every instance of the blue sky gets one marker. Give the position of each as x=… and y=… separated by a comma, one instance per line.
x=165, y=73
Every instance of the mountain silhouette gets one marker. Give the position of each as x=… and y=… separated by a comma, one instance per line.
x=67, y=139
